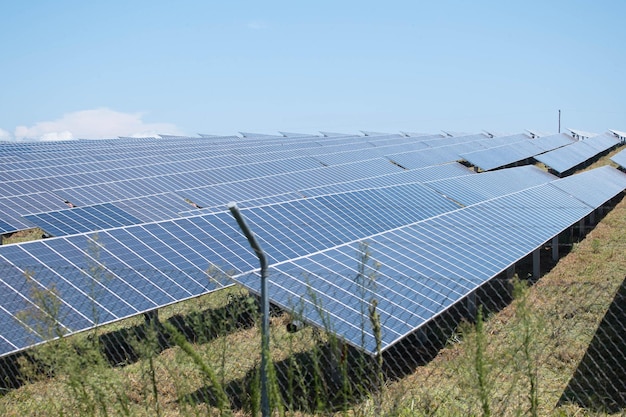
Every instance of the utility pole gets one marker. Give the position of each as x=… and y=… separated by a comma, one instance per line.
x=559, y=120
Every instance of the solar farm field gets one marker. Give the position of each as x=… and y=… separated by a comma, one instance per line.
x=403, y=279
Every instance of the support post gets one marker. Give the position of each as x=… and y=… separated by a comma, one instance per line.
x=151, y=317
x=510, y=271
x=555, y=248
x=471, y=304
x=265, y=308
x=536, y=263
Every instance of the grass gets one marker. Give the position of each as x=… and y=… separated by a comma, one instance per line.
x=23, y=236
x=522, y=359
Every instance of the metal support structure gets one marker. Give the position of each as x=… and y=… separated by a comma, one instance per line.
x=537, y=263
x=510, y=271
x=471, y=304
x=265, y=308
x=151, y=317
x=581, y=227
x=555, y=248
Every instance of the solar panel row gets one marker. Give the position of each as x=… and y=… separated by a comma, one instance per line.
x=290, y=187
x=511, y=153
x=568, y=157
x=418, y=271
x=142, y=267
x=98, y=179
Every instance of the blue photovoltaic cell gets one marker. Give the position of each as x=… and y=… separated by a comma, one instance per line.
x=404, y=177
x=82, y=219
x=6, y=227
x=155, y=207
x=350, y=156
x=510, y=153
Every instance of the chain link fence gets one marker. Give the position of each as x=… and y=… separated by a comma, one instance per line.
x=553, y=346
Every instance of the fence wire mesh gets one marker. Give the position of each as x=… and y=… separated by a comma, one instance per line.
x=553, y=346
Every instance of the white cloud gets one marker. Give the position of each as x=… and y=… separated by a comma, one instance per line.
x=94, y=124
x=4, y=135
x=66, y=135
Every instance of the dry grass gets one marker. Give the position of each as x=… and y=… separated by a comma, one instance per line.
x=22, y=236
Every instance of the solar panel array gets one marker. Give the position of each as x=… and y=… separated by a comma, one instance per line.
x=568, y=157
x=420, y=270
x=90, y=172
x=517, y=151
x=148, y=225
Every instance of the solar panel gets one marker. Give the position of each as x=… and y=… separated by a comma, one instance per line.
x=140, y=259
x=220, y=194
x=620, y=158
x=335, y=134
x=488, y=159
x=141, y=268
x=12, y=208
x=618, y=134
x=6, y=227
x=403, y=177
x=420, y=270
x=258, y=135
x=602, y=142
x=585, y=186
x=472, y=189
x=548, y=143
x=568, y=157
x=510, y=153
x=82, y=219
x=425, y=157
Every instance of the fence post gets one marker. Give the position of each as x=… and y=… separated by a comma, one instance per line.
x=265, y=308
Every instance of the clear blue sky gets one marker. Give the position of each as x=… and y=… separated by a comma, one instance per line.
x=108, y=68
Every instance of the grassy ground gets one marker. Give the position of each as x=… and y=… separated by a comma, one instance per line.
x=564, y=310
